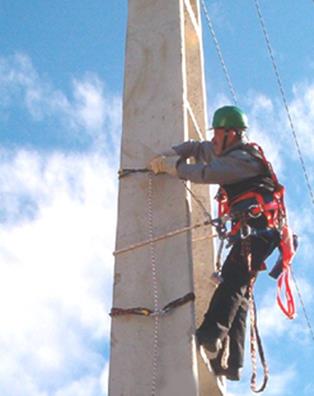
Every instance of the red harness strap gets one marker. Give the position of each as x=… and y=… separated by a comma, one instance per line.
x=275, y=213
x=284, y=280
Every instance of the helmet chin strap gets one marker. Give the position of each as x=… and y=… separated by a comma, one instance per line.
x=224, y=143
x=226, y=134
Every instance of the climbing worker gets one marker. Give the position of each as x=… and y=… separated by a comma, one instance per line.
x=251, y=197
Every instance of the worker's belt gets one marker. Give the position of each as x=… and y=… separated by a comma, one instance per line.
x=252, y=205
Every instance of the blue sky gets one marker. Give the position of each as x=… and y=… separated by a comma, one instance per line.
x=61, y=81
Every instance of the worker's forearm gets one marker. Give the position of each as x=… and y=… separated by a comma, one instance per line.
x=226, y=171
x=201, y=151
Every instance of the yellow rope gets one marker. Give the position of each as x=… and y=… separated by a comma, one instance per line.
x=170, y=234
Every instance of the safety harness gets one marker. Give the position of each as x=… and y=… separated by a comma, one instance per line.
x=259, y=200
x=252, y=204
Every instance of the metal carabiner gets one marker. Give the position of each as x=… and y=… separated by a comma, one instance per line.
x=251, y=214
x=219, y=226
x=248, y=231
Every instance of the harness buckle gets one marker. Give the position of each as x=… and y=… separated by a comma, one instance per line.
x=251, y=211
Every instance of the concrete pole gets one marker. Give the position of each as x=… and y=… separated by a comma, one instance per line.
x=164, y=104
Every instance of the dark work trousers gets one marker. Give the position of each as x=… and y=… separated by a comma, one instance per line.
x=228, y=308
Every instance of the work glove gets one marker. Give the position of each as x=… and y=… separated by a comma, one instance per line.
x=164, y=164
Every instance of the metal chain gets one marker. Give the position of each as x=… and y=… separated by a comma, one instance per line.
x=303, y=306
x=155, y=286
x=219, y=52
x=283, y=96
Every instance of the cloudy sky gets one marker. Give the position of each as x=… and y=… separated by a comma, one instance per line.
x=61, y=78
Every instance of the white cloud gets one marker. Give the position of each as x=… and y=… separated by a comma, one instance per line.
x=59, y=215
x=302, y=111
x=272, y=323
x=57, y=268
x=89, y=101
x=88, y=109
x=86, y=386
x=278, y=384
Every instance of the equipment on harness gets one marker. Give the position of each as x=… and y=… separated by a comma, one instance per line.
x=256, y=201
x=277, y=269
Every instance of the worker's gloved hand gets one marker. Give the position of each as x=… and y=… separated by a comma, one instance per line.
x=164, y=164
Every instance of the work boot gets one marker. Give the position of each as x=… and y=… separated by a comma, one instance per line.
x=211, y=345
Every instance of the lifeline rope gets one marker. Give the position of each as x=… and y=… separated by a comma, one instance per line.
x=303, y=306
x=296, y=141
x=256, y=339
x=134, y=246
x=254, y=334
x=219, y=52
x=128, y=171
x=283, y=95
x=198, y=201
x=158, y=238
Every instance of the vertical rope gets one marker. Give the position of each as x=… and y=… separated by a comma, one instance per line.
x=284, y=99
x=219, y=53
x=155, y=286
x=255, y=339
x=252, y=336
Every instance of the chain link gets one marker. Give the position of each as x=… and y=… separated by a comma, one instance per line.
x=155, y=285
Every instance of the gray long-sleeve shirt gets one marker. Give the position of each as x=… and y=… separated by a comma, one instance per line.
x=234, y=165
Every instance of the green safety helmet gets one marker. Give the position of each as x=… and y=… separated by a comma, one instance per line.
x=229, y=117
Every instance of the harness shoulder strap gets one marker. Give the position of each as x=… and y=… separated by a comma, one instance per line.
x=257, y=152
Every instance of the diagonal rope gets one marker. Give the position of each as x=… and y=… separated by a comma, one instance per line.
x=284, y=99
x=306, y=176
x=219, y=52
x=307, y=319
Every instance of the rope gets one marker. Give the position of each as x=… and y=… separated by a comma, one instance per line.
x=283, y=96
x=198, y=201
x=303, y=306
x=256, y=340
x=297, y=144
x=143, y=311
x=155, y=284
x=254, y=333
x=170, y=234
x=126, y=172
x=156, y=313
x=219, y=52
